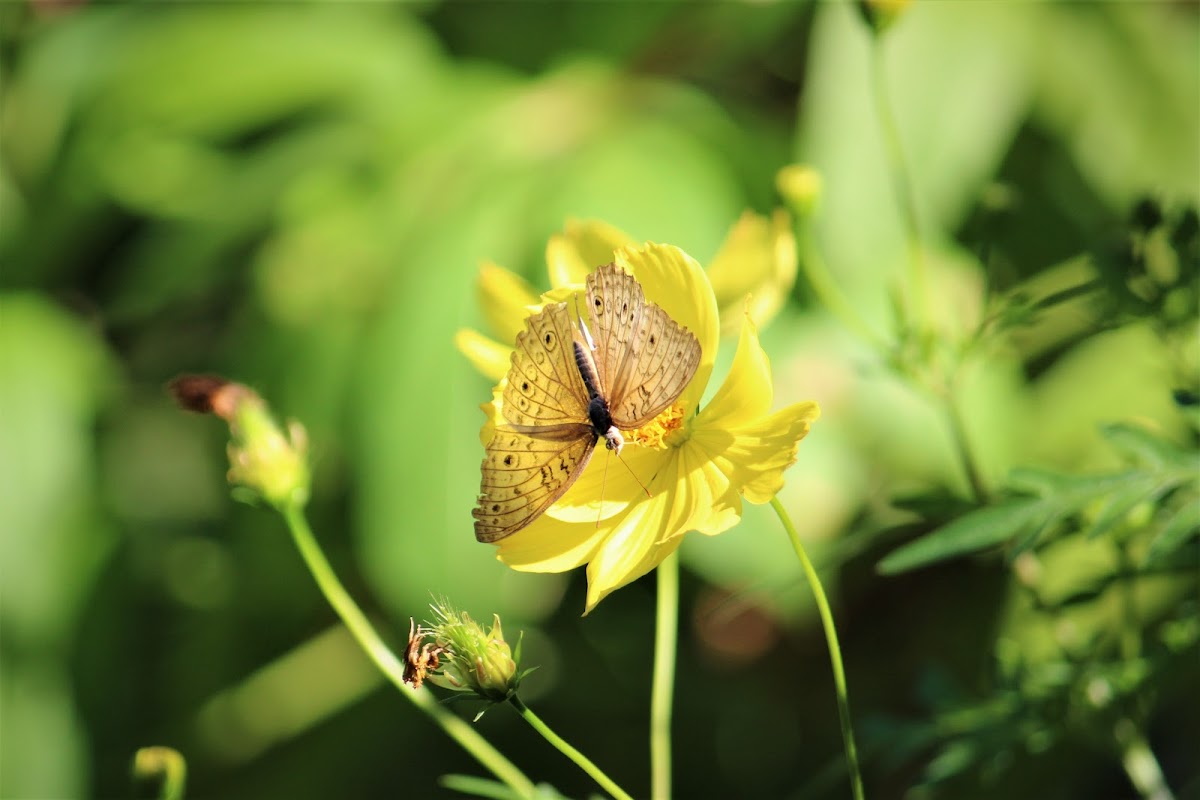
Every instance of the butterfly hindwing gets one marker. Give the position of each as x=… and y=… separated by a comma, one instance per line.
x=523, y=475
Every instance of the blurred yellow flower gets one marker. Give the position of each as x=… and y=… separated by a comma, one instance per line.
x=757, y=258
x=696, y=463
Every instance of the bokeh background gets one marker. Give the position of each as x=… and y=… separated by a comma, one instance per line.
x=298, y=196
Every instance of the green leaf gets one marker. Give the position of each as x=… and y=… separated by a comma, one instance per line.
x=1067, y=491
x=1035, y=481
x=1178, y=528
x=1123, y=500
x=1034, y=534
x=953, y=759
x=1142, y=447
x=934, y=505
x=977, y=530
x=484, y=787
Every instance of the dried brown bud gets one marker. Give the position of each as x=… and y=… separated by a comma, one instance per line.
x=211, y=394
x=195, y=392
x=420, y=657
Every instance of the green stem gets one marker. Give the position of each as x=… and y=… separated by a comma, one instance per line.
x=566, y=749
x=918, y=270
x=666, y=636
x=391, y=666
x=918, y=273
x=816, y=272
x=958, y=433
x=1131, y=639
x=1140, y=764
x=835, y=652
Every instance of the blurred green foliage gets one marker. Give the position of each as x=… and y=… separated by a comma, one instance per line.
x=297, y=196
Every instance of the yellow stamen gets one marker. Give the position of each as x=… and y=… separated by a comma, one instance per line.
x=655, y=432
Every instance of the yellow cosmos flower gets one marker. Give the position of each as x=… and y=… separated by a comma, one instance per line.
x=697, y=464
x=757, y=258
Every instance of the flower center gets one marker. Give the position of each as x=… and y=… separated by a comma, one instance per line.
x=655, y=432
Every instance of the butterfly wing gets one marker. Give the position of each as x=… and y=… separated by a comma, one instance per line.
x=534, y=460
x=523, y=475
x=643, y=357
x=544, y=386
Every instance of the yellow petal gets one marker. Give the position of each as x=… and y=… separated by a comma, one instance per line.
x=672, y=279
x=505, y=299
x=704, y=499
x=580, y=248
x=758, y=258
x=549, y=545
x=486, y=355
x=754, y=456
x=607, y=486
x=630, y=551
x=489, y=426
x=745, y=395
x=688, y=493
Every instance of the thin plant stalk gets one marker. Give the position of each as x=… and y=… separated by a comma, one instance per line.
x=918, y=280
x=666, y=636
x=816, y=272
x=162, y=764
x=894, y=150
x=835, y=652
x=566, y=749
x=958, y=433
x=391, y=666
x=1140, y=763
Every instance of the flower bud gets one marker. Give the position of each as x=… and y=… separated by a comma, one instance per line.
x=471, y=659
x=262, y=458
x=420, y=657
x=880, y=14
x=800, y=186
x=163, y=768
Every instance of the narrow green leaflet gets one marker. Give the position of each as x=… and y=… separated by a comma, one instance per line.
x=977, y=530
x=1139, y=489
x=1141, y=446
x=1178, y=529
x=1101, y=501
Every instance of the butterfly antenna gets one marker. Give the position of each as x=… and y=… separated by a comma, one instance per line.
x=583, y=328
x=603, y=481
x=631, y=472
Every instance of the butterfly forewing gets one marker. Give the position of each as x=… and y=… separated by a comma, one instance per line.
x=524, y=475
x=614, y=302
x=544, y=387
x=643, y=357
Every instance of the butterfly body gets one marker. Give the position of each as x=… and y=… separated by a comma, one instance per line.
x=597, y=410
x=558, y=401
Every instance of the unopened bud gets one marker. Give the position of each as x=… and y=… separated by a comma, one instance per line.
x=162, y=770
x=881, y=14
x=262, y=457
x=800, y=186
x=468, y=658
